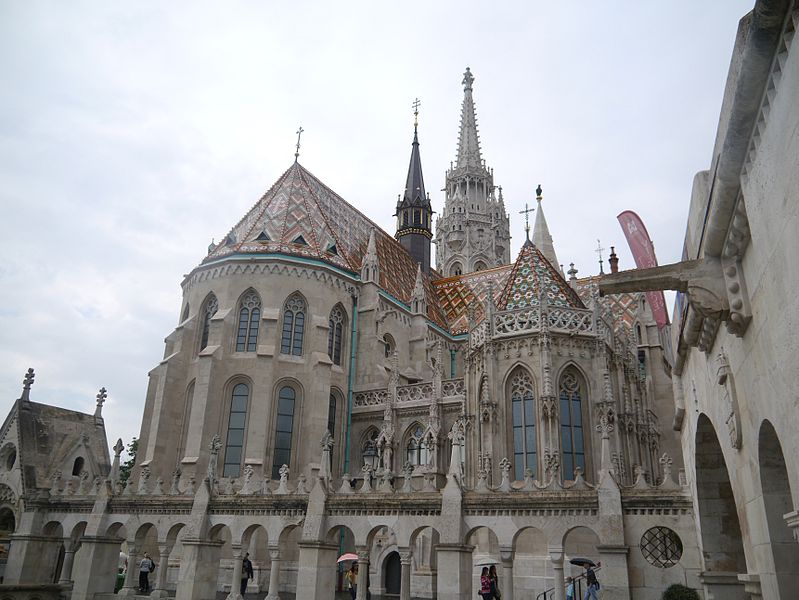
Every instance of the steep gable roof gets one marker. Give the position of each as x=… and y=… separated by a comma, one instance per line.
x=456, y=294
x=299, y=205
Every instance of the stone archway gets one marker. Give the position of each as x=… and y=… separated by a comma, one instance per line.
x=391, y=573
x=777, y=502
x=722, y=548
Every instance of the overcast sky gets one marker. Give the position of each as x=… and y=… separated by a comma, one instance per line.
x=133, y=133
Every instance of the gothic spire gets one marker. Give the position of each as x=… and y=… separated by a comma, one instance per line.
x=414, y=184
x=469, y=141
x=541, y=237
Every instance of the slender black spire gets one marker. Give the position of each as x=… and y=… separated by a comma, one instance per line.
x=414, y=212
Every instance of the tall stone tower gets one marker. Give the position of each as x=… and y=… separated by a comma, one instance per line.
x=473, y=231
x=414, y=212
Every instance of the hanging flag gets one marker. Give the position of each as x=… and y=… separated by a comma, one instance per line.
x=644, y=254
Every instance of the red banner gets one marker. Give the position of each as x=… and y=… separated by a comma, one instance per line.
x=644, y=254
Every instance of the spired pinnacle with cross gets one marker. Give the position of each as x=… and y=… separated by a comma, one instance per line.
x=526, y=212
x=599, y=250
x=297, y=152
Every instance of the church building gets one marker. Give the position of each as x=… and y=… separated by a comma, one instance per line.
x=327, y=390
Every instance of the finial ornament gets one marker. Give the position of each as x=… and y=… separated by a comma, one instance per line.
x=468, y=78
x=526, y=212
x=27, y=382
x=299, y=135
x=102, y=396
x=416, y=104
x=539, y=192
x=599, y=250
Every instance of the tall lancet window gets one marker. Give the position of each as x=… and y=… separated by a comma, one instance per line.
x=210, y=307
x=234, y=445
x=284, y=428
x=335, y=334
x=416, y=451
x=293, y=326
x=249, y=317
x=572, y=441
x=523, y=410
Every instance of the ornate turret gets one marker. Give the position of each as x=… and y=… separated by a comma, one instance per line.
x=414, y=212
x=473, y=232
x=541, y=237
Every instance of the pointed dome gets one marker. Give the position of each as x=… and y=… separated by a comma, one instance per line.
x=531, y=275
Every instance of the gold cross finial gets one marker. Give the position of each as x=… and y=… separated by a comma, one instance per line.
x=526, y=212
x=416, y=104
x=599, y=250
x=299, y=134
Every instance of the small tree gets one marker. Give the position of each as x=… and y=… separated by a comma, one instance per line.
x=680, y=592
x=126, y=467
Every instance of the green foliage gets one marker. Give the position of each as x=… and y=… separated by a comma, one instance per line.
x=680, y=592
x=125, y=468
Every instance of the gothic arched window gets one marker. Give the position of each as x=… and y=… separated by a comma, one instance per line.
x=293, y=326
x=416, y=451
x=572, y=441
x=456, y=269
x=331, y=414
x=234, y=444
x=523, y=410
x=284, y=427
x=335, y=334
x=211, y=306
x=249, y=317
x=389, y=345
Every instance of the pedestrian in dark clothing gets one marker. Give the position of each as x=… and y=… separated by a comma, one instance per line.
x=246, y=572
x=592, y=582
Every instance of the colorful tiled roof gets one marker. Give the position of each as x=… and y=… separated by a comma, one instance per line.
x=455, y=294
x=622, y=307
x=301, y=216
x=531, y=274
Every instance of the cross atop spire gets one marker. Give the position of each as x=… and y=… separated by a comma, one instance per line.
x=297, y=152
x=599, y=250
x=526, y=212
x=416, y=104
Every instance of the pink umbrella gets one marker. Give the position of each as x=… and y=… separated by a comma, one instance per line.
x=347, y=556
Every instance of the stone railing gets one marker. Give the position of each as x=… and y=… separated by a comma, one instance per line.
x=415, y=392
x=478, y=335
x=527, y=320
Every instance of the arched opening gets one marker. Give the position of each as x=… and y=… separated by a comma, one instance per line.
x=391, y=574
x=424, y=566
x=77, y=466
x=344, y=539
x=7, y=526
x=455, y=270
x=255, y=547
x=722, y=548
x=480, y=266
x=776, y=503
x=579, y=542
x=484, y=553
x=532, y=567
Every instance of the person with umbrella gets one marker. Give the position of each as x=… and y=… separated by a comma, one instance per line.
x=590, y=577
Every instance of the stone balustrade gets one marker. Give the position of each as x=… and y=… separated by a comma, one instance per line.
x=415, y=392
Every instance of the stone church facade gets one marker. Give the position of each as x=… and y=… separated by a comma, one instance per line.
x=325, y=390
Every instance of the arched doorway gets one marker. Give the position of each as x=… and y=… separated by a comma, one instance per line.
x=7, y=527
x=777, y=502
x=722, y=547
x=391, y=572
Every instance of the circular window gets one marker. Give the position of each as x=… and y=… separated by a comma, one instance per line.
x=661, y=547
x=8, y=457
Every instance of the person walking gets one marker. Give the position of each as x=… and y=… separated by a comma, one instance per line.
x=246, y=572
x=591, y=592
x=146, y=566
x=492, y=575
x=485, y=585
x=569, y=588
x=352, y=580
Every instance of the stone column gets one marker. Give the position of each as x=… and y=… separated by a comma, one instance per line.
x=405, y=576
x=131, y=586
x=25, y=558
x=235, y=583
x=506, y=555
x=615, y=576
x=199, y=569
x=316, y=575
x=160, y=590
x=363, y=573
x=96, y=568
x=454, y=571
x=66, y=566
x=556, y=556
x=274, y=574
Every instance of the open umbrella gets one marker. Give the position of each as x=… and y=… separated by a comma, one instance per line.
x=347, y=556
x=485, y=562
x=582, y=561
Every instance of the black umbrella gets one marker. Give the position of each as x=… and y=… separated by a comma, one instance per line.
x=582, y=561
